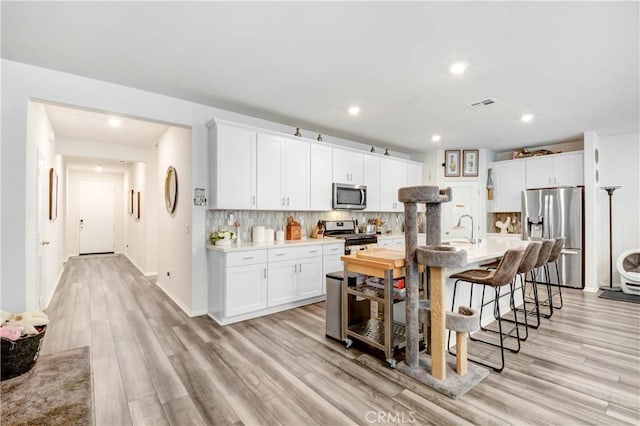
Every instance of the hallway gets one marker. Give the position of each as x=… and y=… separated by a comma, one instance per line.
x=153, y=365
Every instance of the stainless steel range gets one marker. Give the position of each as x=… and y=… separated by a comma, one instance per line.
x=348, y=231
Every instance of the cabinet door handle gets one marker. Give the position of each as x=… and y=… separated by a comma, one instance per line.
x=264, y=272
x=247, y=258
x=295, y=269
x=313, y=251
x=300, y=268
x=282, y=202
x=287, y=201
x=253, y=200
x=334, y=249
x=280, y=254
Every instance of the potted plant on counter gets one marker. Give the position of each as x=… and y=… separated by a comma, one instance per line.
x=221, y=237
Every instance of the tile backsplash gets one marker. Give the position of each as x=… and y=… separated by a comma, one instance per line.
x=218, y=219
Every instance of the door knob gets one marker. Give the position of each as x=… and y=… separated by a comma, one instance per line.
x=45, y=243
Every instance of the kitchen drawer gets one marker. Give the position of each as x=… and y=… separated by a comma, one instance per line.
x=333, y=249
x=286, y=253
x=250, y=257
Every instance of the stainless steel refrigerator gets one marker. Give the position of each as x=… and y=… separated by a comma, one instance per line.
x=558, y=212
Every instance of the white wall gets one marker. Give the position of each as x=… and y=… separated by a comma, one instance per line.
x=619, y=165
x=40, y=135
x=592, y=222
x=174, y=232
x=72, y=234
x=136, y=231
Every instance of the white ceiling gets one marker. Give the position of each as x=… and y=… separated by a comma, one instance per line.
x=89, y=164
x=572, y=64
x=81, y=124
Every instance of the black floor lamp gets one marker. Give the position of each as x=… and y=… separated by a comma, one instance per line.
x=610, y=287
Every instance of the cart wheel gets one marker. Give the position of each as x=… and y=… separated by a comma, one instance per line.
x=348, y=342
x=392, y=363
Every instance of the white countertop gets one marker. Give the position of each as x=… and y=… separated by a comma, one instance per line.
x=287, y=243
x=489, y=248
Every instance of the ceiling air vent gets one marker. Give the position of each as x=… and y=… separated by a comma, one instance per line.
x=483, y=103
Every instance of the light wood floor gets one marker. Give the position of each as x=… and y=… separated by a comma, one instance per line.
x=153, y=365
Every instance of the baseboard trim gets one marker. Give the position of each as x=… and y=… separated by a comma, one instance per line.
x=177, y=301
x=268, y=311
x=50, y=298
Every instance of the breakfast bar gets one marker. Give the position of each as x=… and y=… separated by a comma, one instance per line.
x=389, y=263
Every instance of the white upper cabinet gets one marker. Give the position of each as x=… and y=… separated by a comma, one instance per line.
x=233, y=178
x=555, y=170
x=296, y=174
x=348, y=166
x=269, y=172
x=320, y=195
x=414, y=174
x=509, y=181
x=393, y=175
x=568, y=169
x=283, y=173
x=372, y=181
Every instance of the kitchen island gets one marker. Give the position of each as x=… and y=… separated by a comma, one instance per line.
x=477, y=254
x=486, y=251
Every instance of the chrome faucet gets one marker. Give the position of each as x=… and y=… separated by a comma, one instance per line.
x=459, y=226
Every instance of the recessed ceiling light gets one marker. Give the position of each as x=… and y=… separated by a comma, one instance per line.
x=354, y=110
x=98, y=168
x=458, y=68
x=436, y=138
x=527, y=118
x=115, y=122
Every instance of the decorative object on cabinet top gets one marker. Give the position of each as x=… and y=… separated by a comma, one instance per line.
x=525, y=153
x=297, y=133
x=319, y=138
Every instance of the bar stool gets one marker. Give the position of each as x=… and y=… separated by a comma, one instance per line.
x=504, y=274
x=529, y=260
x=556, y=250
x=543, y=258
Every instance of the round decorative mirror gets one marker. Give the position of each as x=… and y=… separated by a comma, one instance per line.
x=171, y=189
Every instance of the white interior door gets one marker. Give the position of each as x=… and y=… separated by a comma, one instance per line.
x=464, y=200
x=42, y=200
x=95, y=216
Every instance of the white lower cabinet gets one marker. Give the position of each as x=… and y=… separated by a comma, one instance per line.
x=294, y=274
x=390, y=241
x=309, y=278
x=282, y=279
x=246, y=290
x=249, y=283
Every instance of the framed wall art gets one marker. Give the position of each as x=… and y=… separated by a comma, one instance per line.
x=138, y=205
x=53, y=194
x=470, y=162
x=452, y=163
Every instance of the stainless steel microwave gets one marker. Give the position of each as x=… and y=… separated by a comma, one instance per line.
x=349, y=197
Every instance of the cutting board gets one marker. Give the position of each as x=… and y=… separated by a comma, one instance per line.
x=382, y=255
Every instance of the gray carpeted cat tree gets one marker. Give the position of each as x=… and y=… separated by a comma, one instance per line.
x=431, y=367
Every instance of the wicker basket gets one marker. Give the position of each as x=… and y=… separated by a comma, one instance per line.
x=20, y=356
